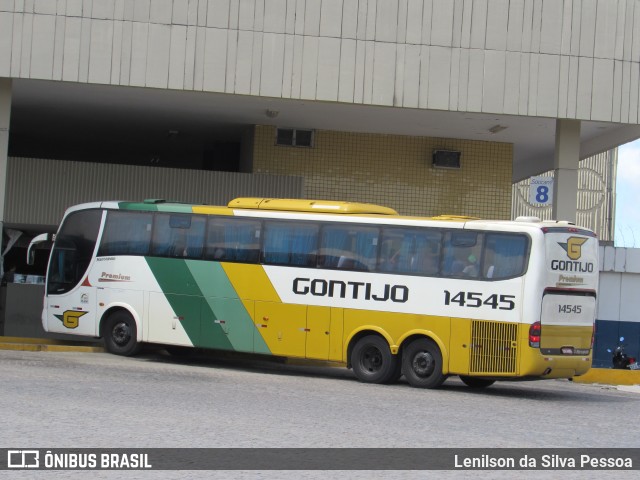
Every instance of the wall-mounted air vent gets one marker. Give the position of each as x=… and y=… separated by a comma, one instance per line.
x=446, y=159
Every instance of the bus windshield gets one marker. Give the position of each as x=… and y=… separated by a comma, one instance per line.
x=73, y=250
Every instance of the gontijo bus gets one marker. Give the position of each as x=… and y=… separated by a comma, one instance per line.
x=385, y=294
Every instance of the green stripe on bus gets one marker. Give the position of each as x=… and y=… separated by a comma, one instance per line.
x=225, y=309
x=145, y=207
x=156, y=207
x=174, y=208
x=186, y=299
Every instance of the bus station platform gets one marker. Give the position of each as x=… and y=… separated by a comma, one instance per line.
x=48, y=345
x=605, y=376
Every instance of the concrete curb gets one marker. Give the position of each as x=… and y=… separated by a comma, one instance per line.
x=46, y=345
x=609, y=376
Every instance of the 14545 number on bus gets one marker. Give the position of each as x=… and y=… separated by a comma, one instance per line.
x=477, y=300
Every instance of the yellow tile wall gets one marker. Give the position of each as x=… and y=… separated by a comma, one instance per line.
x=395, y=171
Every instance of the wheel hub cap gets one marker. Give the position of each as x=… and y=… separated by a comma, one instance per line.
x=121, y=333
x=423, y=364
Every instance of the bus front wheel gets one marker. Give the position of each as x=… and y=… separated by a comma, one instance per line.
x=422, y=364
x=372, y=360
x=120, y=334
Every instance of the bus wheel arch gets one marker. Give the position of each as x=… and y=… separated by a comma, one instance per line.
x=119, y=329
x=423, y=362
x=370, y=357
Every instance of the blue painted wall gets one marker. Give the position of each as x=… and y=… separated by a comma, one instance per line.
x=607, y=335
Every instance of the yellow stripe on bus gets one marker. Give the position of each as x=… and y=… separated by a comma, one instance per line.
x=207, y=210
x=251, y=282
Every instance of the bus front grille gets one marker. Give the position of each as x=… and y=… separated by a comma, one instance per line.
x=493, y=347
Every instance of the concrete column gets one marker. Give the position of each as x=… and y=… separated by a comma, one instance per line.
x=5, y=115
x=565, y=167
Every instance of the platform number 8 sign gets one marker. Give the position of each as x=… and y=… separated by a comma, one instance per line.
x=541, y=191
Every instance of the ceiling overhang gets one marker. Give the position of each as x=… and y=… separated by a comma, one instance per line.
x=63, y=109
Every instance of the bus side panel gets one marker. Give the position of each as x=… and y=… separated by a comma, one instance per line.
x=282, y=327
x=232, y=317
x=336, y=346
x=227, y=319
x=318, y=332
x=173, y=319
x=200, y=298
x=460, y=346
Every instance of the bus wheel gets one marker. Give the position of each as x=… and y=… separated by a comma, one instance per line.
x=120, y=334
x=372, y=361
x=475, y=382
x=422, y=364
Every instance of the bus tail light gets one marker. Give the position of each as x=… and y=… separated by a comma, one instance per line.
x=534, y=334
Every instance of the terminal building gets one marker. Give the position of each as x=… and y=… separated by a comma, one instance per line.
x=426, y=106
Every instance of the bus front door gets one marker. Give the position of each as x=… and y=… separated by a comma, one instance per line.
x=70, y=302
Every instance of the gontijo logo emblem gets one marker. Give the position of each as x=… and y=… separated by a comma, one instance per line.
x=70, y=318
x=573, y=247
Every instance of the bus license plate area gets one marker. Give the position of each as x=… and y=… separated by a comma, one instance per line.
x=569, y=310
x=567, y=350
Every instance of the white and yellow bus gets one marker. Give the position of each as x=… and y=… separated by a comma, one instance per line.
x=354, y=283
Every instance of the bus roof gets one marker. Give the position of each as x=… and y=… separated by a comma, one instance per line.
x=315, y=206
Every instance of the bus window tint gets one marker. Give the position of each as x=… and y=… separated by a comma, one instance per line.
x=413, y=251
x=233, y=240
x=504, y=255
x=462, y=254
x=287, y=243
x=126, y=233
x=349, y=247
x=180, y=236
x=73, y=250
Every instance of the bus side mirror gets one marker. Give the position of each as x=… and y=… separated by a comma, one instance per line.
x=31, y=251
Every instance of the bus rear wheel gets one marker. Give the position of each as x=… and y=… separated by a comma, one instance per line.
x=475, y=382
x=372, y=360
x=120, y=334
x=422, y=364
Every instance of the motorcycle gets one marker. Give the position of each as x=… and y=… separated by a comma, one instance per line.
x=621, y=360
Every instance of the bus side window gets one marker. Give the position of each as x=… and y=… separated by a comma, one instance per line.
x=410, y=250
x=180, y=236
x=288, y=243
x=233, y=240
x=462, y=254
x=349, y=247
x=505, y=255
x=126, y=233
